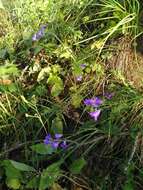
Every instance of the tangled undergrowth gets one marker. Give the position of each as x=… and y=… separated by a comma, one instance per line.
x=71, y=95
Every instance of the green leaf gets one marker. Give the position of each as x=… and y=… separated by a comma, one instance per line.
x=9, y=69
x=56, y=69
x=11, y=171
x=77, y=70
x=12, y=87
x=128, y=186
x=13, y=183
x=57, y=84
x=37, y=49
x=49, y=176
x=76, y=100
x=57, y=125
x=56, y=89
x=40, y=90
x=34, y=183
x=54, y=79
x=42, y=149
x=66, y=55
x=21, y=166
x=77, y=166
x=43, y=73
x=3, y=52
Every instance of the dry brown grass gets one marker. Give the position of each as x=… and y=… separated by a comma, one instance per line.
x=128, y=63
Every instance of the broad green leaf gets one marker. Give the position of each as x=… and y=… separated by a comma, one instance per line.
x=57, y=125
x=37, y=49
x=49, y=176
x=56, y=69
x=34, y=183
x=56, y=90
x=10, y=171
x=12, y=87
x=77, y=166
x=40, y=90
x=22, y=166
x=41, y=148
x=76, y=100
x=54, y=79
x=9, y=69
x=13, y=183
x=43, y=73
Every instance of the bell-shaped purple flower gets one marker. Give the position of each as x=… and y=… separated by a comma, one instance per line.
x=58, y=136
x=94, y=102
x=95, y=114
x=64, y=145
x=55, y=142
x=48, y=139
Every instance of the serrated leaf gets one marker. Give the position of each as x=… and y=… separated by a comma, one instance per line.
x=77, y=166
x=21, y=166
x=43, y=149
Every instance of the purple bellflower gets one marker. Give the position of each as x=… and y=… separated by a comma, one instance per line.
x=94, y=102
x=95, y=114
x=55, y=142
x=48, y=139
x=63, y=145
x=58, y=136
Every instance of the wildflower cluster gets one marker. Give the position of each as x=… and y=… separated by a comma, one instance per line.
x=95, y=103
x=55, y=142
